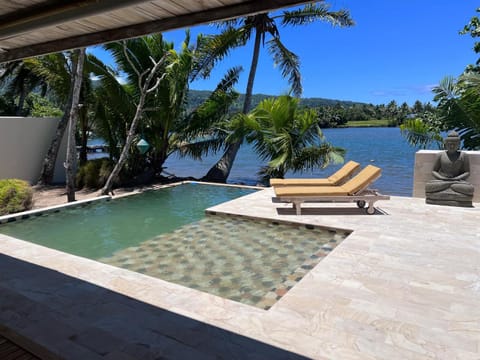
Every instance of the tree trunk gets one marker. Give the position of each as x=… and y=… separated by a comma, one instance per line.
x=144, y=91
x=21, y=102
x=159, y=157
x=253, y=70
x=221, y=170
x=48, y=167
x=70, y=162
x=83, y=136
x=107, y=188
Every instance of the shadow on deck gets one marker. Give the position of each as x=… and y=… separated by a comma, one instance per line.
x=75, y=319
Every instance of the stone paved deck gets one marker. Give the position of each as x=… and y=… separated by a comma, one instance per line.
x=404, y=285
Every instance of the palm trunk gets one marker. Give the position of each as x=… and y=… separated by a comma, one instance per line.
x=221, y=170
x=83, y=137
x=253, y=70
x=70, y=162
x=219, y=173
x=21, y=102
x=48, y=167
x=160, y=157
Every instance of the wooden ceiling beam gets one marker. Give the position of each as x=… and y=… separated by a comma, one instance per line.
x=131, y=31
x=55, y=13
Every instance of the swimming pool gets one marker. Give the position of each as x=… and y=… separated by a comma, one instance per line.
x=99, y=229
x=165, y=234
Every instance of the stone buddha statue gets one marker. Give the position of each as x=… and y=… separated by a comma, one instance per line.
x=450, y=170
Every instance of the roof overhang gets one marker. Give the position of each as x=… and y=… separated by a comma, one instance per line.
x=36, y=27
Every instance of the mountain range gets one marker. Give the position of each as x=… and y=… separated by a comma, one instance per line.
x=197, y=97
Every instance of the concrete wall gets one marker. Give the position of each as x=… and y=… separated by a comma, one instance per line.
x=424, y=161
x=23, y=145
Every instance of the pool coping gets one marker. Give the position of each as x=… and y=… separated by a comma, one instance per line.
x=354, y=303
x=49, y=209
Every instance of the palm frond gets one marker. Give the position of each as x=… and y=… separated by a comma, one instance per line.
x=288, y=63
x=314, y=12
x=213, y=48
x=310, y=158
x=215, y=107
x=200, y=147
x=459, y=104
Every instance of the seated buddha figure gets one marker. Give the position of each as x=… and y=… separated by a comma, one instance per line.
x=450, y=170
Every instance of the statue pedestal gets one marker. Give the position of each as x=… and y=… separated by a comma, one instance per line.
x=424, y=161
x=449, y=198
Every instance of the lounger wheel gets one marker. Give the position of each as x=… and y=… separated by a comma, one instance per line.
x=370, y=210
x=361, y=204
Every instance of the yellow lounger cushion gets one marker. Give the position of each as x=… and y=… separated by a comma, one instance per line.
x=362, y=180
x=359, y=182
x=344, y=173
x=313, y=191
x=335, y=179
x=300, y=182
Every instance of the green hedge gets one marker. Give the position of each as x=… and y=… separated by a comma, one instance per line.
x=15, y=196
x=94, y=173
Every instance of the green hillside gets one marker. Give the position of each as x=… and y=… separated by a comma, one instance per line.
x=196, y=97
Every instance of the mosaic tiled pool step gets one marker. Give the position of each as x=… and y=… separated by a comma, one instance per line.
x=253, y=262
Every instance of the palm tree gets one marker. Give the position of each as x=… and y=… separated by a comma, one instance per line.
x=458, y=108
x=164, y=121
x=459, y=105
x=288, y=138
x=57, y=72
x=238, y=32
x=19, y=81
x=70, y=162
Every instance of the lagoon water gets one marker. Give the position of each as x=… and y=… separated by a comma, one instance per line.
x=382, y=147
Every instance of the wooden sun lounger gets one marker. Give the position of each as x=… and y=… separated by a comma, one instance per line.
x=355, y=190
x=339, y=177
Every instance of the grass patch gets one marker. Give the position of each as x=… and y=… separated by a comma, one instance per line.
x=369, y=123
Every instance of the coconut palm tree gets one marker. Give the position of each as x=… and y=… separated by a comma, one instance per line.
x=164, y=122
x=458, y=104
x=19, y=80
x=288, y=138
x=238, y=32
x=56, y=70
x=70, y=162
x=458, y=108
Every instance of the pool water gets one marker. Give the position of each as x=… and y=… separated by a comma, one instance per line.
x=250, y=261
x=166, y=234
x=101, y=228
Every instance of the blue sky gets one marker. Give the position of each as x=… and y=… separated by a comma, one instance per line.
x=396, y=51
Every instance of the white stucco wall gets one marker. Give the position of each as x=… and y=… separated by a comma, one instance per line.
x=424, y=161
x=23, y=145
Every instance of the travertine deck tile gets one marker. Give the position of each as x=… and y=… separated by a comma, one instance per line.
x=405, y=284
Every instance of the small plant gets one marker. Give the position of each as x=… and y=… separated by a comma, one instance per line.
x=94, y=173
x=15, y=196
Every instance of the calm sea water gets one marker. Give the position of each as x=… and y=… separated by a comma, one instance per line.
x=383, y=147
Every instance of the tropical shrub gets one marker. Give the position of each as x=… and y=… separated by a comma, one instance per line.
x=15, y=196
x=94, y=173
x=288, y=138
x=41, y=107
